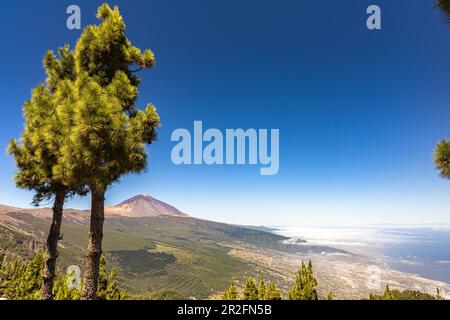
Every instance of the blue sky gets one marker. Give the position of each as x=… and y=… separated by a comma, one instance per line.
x=359, y=111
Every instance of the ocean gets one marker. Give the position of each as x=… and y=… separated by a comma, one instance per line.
x=421, y=250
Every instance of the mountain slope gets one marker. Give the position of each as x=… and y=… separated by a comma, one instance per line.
x=165, y=249
x=198, y=258
x=144, y=206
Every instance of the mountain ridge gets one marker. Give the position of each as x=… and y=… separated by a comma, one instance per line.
x=139, y=206
x=155, y=252
x=197, y=257
x=143, y=205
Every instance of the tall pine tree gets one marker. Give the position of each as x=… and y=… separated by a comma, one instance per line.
x=261, y=289
x=250, y=290
x=305, y=284
x=105, y=135
x=272, y=292
x=231, y=293
x=39, y=151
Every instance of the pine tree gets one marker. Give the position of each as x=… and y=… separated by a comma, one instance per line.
x=305, y=284
x=107, y=284
x=441, y=158
x=250, y=290
x=396, y=294
x=261, y=289
x=61, y=289
x=272, y=293
x=21, y=280
x=388, y=294
x=231, y=293
x=39, y=151
x=444, y=5
x=105, y=135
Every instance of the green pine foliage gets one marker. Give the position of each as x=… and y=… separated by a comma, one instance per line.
x=261, y=289
x=403, y=295
x=21, y=280
x=102, y=143
x=304, y=288
x=253, y=292
x=62, y=290
x=250, y=290
x=441, y=158
x=39, y=150
x=107, y=284
x=272, y=292
x=83, y=131
x=231, y=293
x=305, y=284
x=105, y=134
x=103, y=50
x=40, y=144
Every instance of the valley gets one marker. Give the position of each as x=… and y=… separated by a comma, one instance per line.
x=156, y=247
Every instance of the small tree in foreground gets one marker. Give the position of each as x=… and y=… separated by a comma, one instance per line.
x=21, y=280
x=231, y=293
x=250, y=290
x=261, y=289
x=272, y=293
x=305, y=284
x=403, y=295
x=107, y=284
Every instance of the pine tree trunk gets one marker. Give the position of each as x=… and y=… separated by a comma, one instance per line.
x=94, y=251
x=54, y=236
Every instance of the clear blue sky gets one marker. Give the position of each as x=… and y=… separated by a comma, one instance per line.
x=359, y=111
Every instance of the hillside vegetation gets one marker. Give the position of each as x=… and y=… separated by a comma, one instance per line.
x=151, y=254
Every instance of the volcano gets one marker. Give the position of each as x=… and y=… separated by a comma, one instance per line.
x=143, y=205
